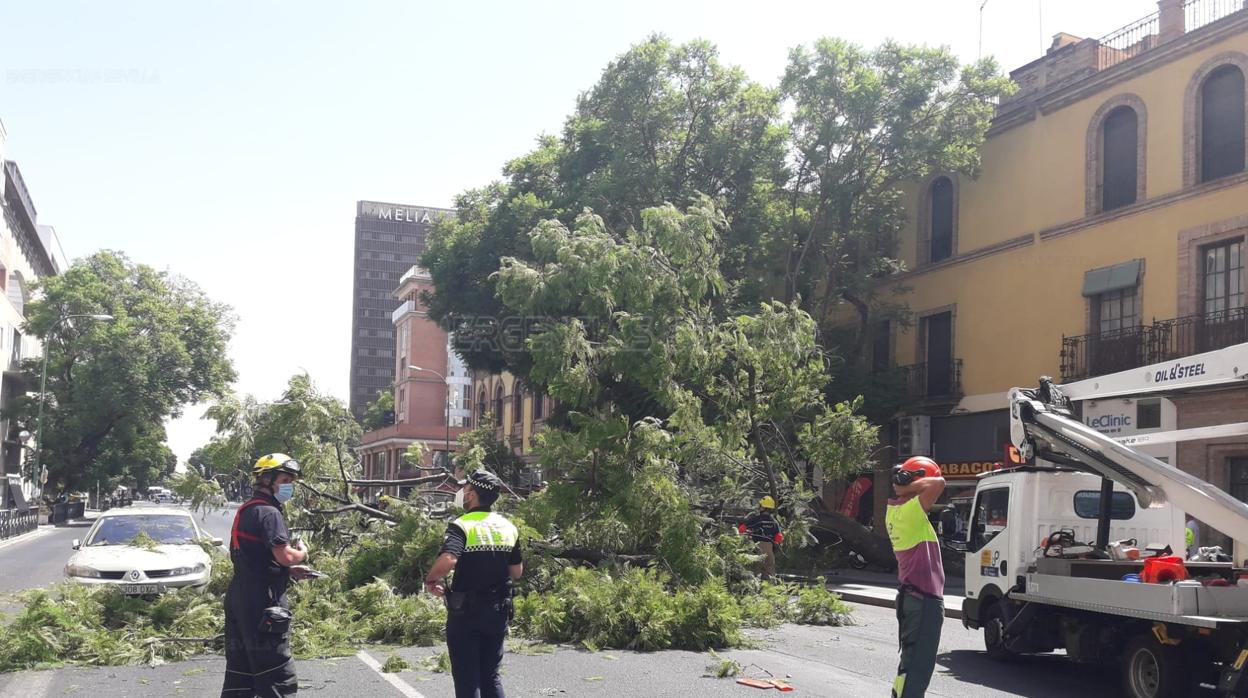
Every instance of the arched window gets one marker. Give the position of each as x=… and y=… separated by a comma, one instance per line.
x=517, y=402
x=1222, y=123
x=1119, y=158
x=498, y=405
x=539, y=405
x=941, y=240
x=481, y=407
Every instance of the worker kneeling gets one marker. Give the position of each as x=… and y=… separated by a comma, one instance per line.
x=920, y=599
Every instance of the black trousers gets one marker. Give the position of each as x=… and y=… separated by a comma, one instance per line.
x=474, y=639
x=256, y=664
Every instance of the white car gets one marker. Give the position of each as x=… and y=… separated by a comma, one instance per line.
x=107, y=555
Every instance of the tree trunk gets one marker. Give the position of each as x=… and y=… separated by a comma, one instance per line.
x=874, y=547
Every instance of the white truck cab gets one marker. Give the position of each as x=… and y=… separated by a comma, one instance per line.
x=1016, y=510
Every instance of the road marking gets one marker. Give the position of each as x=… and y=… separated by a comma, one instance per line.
x=404, y=687
x=30, y=684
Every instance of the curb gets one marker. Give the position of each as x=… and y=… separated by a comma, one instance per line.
x=887, y=601
x=42, y=529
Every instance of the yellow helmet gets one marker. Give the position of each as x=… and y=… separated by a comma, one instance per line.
x=275, y=463
x=767, y=502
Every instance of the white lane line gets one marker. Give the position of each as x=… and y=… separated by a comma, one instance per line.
x=403, y=687
x=29, y=684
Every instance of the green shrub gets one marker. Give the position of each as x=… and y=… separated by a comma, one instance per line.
x=818, y=606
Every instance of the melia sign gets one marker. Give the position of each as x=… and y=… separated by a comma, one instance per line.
x=402, y=214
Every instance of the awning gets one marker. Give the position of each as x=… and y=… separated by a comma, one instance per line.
x=1106, y=279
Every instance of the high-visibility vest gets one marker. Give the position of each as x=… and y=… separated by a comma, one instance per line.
x=487, y=531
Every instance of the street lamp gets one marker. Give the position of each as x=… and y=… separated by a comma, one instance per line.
x=447, y=384
x=43, y=390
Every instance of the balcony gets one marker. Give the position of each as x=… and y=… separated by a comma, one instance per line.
x=933, y=383
x=1164, y=340
x=404, y=308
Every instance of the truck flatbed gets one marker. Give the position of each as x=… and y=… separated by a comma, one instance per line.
x=1200, y=607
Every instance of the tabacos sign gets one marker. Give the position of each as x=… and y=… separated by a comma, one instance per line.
x=966, y=470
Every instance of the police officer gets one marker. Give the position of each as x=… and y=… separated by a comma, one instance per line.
x=763, y=529
x=257, y=613
x=483, y=548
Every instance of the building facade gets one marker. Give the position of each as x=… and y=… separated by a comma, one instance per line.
x=28, y=252
x=1105, y=233
x=389, y=239
x=432, y=392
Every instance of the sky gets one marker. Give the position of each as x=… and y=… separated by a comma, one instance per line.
x=229, y=141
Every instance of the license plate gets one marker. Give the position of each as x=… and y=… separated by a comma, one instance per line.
x=140, y=589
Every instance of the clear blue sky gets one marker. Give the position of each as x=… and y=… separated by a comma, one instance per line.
x=229, y=141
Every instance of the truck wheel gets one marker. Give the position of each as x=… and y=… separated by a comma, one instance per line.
x=994, y=630
x=1153, y=670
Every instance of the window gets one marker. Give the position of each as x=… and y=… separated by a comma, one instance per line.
x=1223, y=278
x=517, y=402
x=467, y=407
x=539, y=405
x=402, y=405
x=942, y=220
x=498, y=406
x=881, y=347
x=1238, y=468
x=1116, y=310
x=1148, y=414
x=938, y=353
x=481, y=408
x=1120, y=158
x=1222, y=123
x=990, y=516
x=1088, y=505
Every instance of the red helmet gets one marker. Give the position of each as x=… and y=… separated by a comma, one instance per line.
x=923, y=463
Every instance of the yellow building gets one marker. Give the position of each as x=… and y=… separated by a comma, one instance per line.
x=518, y=414
x=1105, y=233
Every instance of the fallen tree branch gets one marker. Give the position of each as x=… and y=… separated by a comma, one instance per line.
x=326, y=495
x=369, y=511
x=594, y=557
x=393, y=483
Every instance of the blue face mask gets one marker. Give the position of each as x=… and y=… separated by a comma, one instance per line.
x=284, y=492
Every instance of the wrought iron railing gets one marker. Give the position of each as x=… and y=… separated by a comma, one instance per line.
x=1164, y=340
x=15, y=523
x=933, y=381
x=1128, y=42
x=1198, y=13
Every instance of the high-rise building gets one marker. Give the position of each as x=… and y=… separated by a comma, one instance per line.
x=389, y=239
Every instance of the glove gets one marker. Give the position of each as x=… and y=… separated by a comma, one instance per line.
x=779, y=538
x=741, y=529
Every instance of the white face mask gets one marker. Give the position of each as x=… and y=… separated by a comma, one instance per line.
x=459, y=498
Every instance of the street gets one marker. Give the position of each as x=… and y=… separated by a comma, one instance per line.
x=819, y=661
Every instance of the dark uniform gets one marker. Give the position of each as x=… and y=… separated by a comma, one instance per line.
x=765, y=531
x=257, y=663
x=479, y=600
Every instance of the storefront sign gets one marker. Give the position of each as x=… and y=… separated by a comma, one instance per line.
x=968, y=470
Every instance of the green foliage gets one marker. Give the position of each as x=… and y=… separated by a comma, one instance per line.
x=818, y=606
x=112, y=384
x=201, y=494
x=144, y=541
x=394, y=664
x=722, y=667
x=439, y=663
x=375, y=416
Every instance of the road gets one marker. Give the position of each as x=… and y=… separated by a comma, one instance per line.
x=38, y=560
x=820, y=662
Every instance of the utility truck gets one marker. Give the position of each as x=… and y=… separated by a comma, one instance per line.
x=1049, y=563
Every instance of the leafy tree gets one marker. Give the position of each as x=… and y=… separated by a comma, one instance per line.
x=380, y=412
x=111, y=384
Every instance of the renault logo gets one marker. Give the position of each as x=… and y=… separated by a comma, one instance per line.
x=134, y=575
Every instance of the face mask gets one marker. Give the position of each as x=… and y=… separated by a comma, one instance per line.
x=459, y=498
x=284, y=492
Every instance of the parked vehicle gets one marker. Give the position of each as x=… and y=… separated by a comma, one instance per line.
x=143, y=551
x=1043, y=571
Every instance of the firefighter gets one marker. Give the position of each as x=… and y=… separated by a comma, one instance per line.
x=920, y=604
x=763, y=529
x=483, y=548
x=257, y=613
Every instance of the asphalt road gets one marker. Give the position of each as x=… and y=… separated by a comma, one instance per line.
x=38, y=560
x=819, y=662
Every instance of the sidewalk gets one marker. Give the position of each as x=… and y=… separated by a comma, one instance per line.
x=880, y=589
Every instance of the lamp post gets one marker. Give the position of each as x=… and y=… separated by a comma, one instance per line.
x=447, y=406
x=37, y=474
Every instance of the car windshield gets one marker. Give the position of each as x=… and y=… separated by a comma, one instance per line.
x=169, y=529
